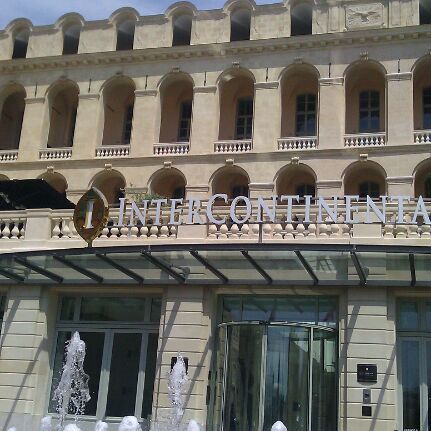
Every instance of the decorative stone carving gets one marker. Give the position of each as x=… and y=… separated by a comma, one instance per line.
x=367, y=15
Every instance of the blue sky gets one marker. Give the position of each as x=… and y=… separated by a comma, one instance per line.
x=48, y=11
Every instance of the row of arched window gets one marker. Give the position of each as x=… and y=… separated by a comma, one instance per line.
x=360, y=178
x=365, y=111
x=240, y=24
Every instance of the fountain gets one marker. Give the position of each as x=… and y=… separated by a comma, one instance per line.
x=129, y=423
x=279, y=426
x=101, y=426
x=46, y=424
x=72, y=392
x=177, y=380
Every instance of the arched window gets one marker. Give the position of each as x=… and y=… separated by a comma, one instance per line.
x=12, y=114
x=305, y=190
x=232, y=181
x=240, y=23
x=301, y=19
x=428, y=187
x=369, y=111
x=125, y=35
x=185, y=121
x=71, y=37
x=244, y=118
x=20, y=43
x=306, y=115
x=426, y=103
x=112, y=184
x=182, y=30
x=169, y=183
x=369, y=188
x=424, y=12
x=128, y=121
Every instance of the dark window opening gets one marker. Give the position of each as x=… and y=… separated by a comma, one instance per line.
x=425, y=12
x=244, y=118
x=128, y=121
x=369, y=188
x=305, y=190
x=428, y=187
x=182, y=30
x=20, y=44
x=301, y=20
x=239, y=191
x=240, y=23
x=179, y=193
x=306, y=115
x=369, y=111
x=426, y=102
x=125, y=36
x=71, y=40
x=185, y=121
x=72, y=127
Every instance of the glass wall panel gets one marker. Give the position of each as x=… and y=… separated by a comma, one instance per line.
x=150, y=374
x=113, y=309
x=408, y=318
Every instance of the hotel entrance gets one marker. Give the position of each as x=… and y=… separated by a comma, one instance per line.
x=273, y=370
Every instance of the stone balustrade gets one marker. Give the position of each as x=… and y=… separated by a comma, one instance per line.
x=297, y=143
x=173, y=149
x=55, y=154
x=8, y=155
x=365, y=140
x=235, y=146
x=112, y=151
x=422, y=136
x=12, y=227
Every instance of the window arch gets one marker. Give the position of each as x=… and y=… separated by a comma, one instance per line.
x=232, y=181
x=11, y=118
x=182, y=30
x=240, y=24
x=169, y=184
x=125, y=35
x=426, y=107
x=424, y=12
x=365, y=178
x=369, y=111
x=20, y=43
x=112, y=184
x=56, y=181
x=301, y=19
x=71, y=36
x=296, y=180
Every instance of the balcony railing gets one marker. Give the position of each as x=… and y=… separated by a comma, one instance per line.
x=236, y=146
x=112, y=151
x=8, y=155
x=297, y=143
x=176, y=148
x=422, y=136
x=365, y=140
x=55, y=154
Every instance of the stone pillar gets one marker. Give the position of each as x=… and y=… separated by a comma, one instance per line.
x=265, y=190
x=267, y=116
x=328, y=188
x=185, y=328
x=32, y=127
x=400, y=186
x=145, y=116
x=205, y=120
x=331, y=113
x=89, y=127
x=399, y=109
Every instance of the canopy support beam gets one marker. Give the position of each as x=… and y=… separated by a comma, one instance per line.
x=165, y=268
x=412, y=269
x=121, y=268
x=209, y=266
x=80, y=269
x=307, y=267
x=39, y=270
x=359, y=268
x=257, y=267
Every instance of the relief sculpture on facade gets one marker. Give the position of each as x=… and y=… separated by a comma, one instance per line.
x=369, y=15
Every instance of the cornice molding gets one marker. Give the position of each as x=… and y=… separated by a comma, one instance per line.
x=329, y=184
x=143, y=93
x=89, y=96
x=209, y=89
x=405, y=76
x=34, y=100
x=400, y=180
x=261, y=186
x=266, y=85
x=252, y=47
x=331, y=81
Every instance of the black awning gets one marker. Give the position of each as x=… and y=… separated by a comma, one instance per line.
x=223, y=264
x=31, y=194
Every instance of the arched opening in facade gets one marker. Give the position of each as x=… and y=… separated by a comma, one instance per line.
x=118, y=104
x=63, y=106
x=11, y=118
x=112, y=184
x=301, y=19
x=71, y=36
x=299, y=92
x=423, y=180
x=365, y=98
x=56, y=181
x=176, y=101
x=20, y=43
x=182, y=29
x=240, y=24
x=424, y=12
x=125, y=34
x=422, y=95
x=365, y=179
x=297, y=180
x=169, y=184
x=232, y=181
x=236, y=105
x=3, y=178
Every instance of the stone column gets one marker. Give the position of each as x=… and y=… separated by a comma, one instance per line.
x=89, y=127
x=399, y=109
x=265, y=190
x=328, y=188
x=32, y=128
x=331, y=113
x=267, y=116
x=145, y=127
x=205, y=120
x=400, y=186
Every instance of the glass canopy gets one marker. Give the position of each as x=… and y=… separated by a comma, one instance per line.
x=257, y=264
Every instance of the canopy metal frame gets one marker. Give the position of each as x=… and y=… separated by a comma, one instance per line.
x=152, y=254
